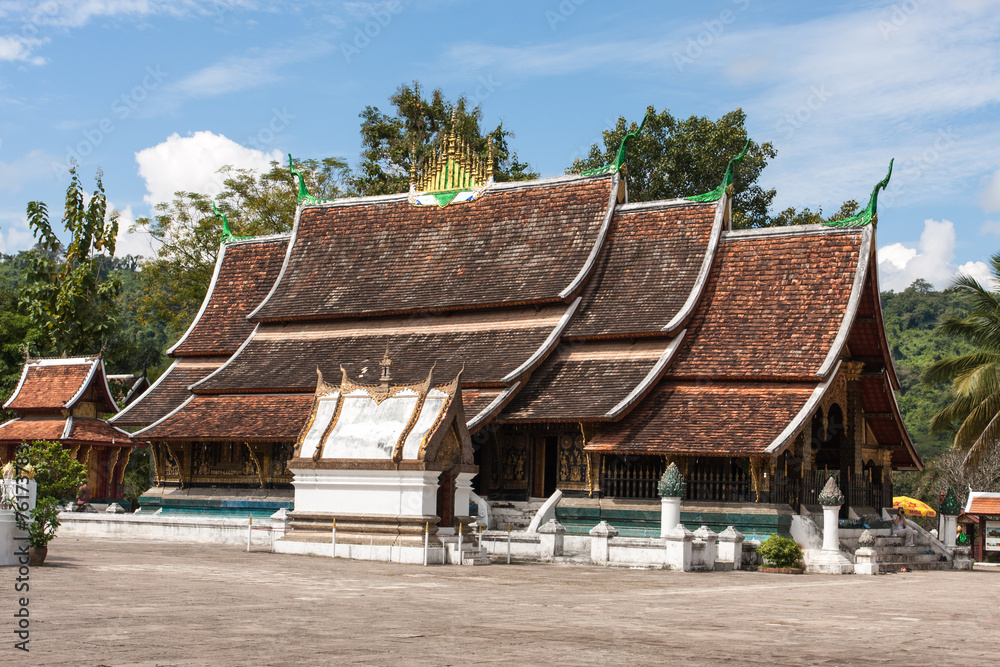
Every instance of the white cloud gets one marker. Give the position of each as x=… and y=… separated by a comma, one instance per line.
x=990, y=197
x=17, y=48
x=191, y=164
x=978, y=270
x=14, y=233
x=932, y=260
x=990, y=227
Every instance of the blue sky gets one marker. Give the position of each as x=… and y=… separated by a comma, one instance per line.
x=161, y=94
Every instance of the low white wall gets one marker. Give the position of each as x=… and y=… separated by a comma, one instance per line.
x=384, y=553
x=165, y=528
x=523, y=546
x=637, y=552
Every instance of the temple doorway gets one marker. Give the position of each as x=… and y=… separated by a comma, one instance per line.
x=545, y=460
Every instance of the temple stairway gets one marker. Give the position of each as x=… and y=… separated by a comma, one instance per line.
x=892, y=555
x=517, y=513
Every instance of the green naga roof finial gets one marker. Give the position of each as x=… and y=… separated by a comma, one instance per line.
x=304, y=195
x=227, y=234
x=727, y=181
x=870, y=214
x=620, y=155
x=303, y=192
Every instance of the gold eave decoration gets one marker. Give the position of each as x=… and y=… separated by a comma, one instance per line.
x=452, y=174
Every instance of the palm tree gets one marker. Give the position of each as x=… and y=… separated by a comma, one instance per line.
x=974, y=412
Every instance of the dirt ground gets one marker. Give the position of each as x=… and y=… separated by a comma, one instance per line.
x=108, y=602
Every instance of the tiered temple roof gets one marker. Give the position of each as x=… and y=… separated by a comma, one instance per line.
x=557, y=302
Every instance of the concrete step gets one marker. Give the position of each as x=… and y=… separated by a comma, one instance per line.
x=909, y=558
x=894, y=567
x=477, y=560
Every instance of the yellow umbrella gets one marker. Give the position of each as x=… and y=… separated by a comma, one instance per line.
x=913, y=506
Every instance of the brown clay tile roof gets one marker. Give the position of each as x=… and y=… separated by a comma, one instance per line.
x=169, y=391
x=984, y=506
x=490, y=345
x=646, y=271
x=243, y=417
x=19, y=430
x=520, y=244
x=96, y=431
x=717, y=418
x=245, y=275
x=475, y=401
x=51, y=384
x=582, y=381
x=773, y=306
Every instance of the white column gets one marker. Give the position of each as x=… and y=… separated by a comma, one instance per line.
x=670, y=514
x=831, y=528
x=948, y=525
x=463, y=492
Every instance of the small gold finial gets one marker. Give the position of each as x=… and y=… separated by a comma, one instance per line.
x=489, y=160
x=413, y=164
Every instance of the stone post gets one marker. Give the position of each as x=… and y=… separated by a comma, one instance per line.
x=950, y=510
x=711, y=541
x=678, y=547
x=672, y=488
x=830, y=560
x=600, y=549
x=551, y=536
x=279, y=523
x=730, y=556
x=962, y=558
x=865, y=558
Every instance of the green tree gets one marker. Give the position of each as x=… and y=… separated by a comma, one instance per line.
x=57, y=473
x=388, y=140
x=68, y=293
x=974, y=411
x=673, y=158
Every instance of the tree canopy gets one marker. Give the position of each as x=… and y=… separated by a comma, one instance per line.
x=388, y=139
x=674, y=157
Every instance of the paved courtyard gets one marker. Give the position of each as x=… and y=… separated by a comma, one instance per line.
x=108, y=602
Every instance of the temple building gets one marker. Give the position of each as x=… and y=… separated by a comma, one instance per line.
x=596, y=340
x=62, y=400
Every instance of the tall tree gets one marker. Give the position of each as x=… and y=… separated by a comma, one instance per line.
x=388, y=139
x=69, y=293
x=974, y=413
x=678, y=158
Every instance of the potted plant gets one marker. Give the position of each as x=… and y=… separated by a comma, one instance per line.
x=58, y=476
x=781, y=554
x=41, y=529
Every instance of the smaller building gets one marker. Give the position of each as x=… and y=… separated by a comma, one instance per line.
x=62, y=400
x=984, y=507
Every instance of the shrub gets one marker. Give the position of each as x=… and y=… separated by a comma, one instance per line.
x=780, y=552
